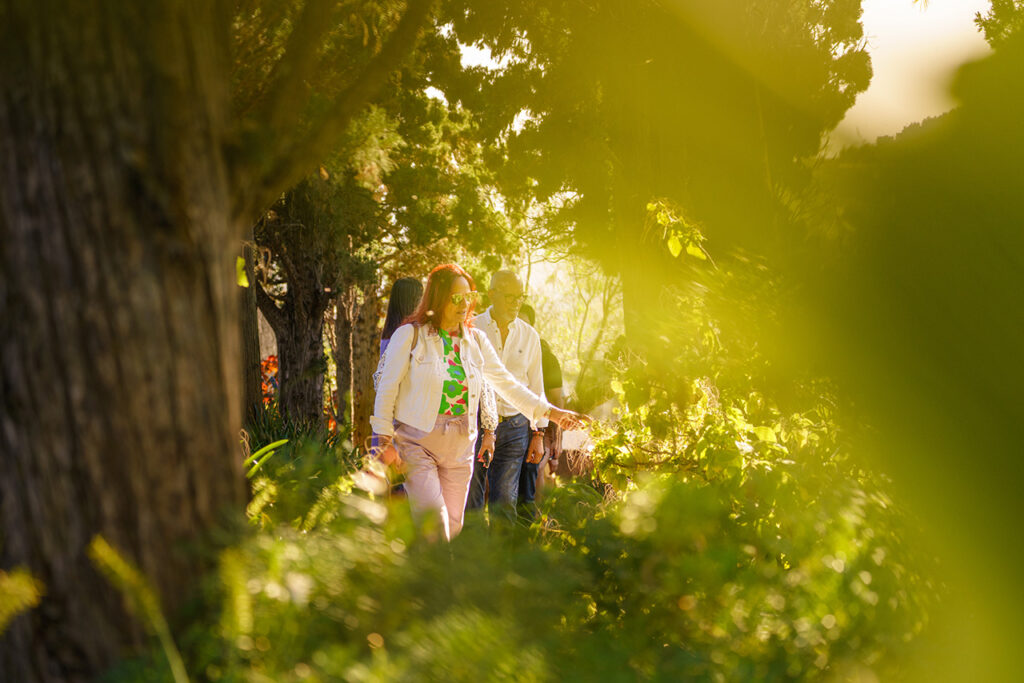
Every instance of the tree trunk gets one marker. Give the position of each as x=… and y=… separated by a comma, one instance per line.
x=299, y=328
x=119, y=353
x=343, y=350
x=301, y=368
x=251, y=374
x=365, y=355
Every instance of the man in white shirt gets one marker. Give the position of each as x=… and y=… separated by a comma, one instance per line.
x=517, y=438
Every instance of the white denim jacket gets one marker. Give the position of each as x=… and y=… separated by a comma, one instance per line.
x=413, y=378
x=488, y=404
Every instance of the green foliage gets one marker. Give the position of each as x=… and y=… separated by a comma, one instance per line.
x=300, y=479
x=713, y=105
x=678, y=232
x=262, y=455
x=729, y=532
x=1004, y=19
x=918, y=316
x=666, y=582
x=797, y=561
x=729, y=536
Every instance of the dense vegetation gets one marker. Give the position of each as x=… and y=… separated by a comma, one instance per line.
x=812, y=464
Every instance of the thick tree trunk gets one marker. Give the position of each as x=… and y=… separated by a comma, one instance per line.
x=302, y=365
x=119, y=349
x=365, y=354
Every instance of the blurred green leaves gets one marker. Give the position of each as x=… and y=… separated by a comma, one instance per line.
x=19, y=592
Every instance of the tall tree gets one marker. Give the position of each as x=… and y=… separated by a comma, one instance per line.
x=309, y=233
x=408, y=174
x=714, y=106
x=127, y=184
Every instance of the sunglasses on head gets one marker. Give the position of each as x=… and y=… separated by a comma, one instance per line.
x=468, y=297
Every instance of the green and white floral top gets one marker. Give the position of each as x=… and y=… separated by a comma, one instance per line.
x=455, y=393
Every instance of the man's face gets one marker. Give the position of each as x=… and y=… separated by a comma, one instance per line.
x=506, y=297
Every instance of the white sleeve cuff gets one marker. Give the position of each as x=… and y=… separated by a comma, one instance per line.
x=381, y=426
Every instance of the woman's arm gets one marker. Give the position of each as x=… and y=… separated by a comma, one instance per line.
x=396, y=367
x=488, y=423
x=488, y=408
x=522, y=399
x=505, y=385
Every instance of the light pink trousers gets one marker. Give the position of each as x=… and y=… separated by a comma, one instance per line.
x=438, y=467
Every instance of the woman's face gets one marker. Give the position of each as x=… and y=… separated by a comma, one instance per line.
x=455, y=313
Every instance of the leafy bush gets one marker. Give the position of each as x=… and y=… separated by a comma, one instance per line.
x=298, y=480
x=665, y=583
x=728, y=535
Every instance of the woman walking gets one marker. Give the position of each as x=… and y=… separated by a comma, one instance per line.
x=428, y=397
x=404, y=298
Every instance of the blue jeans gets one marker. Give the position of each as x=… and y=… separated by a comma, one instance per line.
x=511, y=439
x=528, y=488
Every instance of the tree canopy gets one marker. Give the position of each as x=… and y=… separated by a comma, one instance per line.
x=810, y=466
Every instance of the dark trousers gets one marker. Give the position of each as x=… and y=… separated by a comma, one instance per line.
x=528, y=488
x=501, y=479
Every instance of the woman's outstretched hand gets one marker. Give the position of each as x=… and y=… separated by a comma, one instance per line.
x=389, y=455
x=569, y=419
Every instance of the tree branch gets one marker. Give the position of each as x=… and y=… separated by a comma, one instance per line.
x=268, y=307
x=283, y=104
x=294, y=162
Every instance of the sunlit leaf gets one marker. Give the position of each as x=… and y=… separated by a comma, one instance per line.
x=19, y=591
x=695, y=251
x=240, y=274
x=675, y=247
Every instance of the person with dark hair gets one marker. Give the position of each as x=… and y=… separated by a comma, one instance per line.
x=405, y=295
x=530, y=478
x=425, y=411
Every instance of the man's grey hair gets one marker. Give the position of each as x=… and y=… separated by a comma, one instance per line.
x=504, y=276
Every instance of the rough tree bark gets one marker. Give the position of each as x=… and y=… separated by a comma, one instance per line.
x=365, y=354
x=343, y=349
x=120, y=348
x=120, y=215
x=299, y=328
x=252, y=394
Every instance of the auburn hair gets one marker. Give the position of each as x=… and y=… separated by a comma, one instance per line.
x=435, y=296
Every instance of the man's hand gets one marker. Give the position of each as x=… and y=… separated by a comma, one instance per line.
x=535, y=453
x=486, y=452
x=554, y=453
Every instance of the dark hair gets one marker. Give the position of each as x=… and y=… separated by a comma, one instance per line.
x=405, y=294
x=526, y=311
x=435, y=296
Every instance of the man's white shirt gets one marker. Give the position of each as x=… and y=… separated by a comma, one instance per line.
x=520, y=354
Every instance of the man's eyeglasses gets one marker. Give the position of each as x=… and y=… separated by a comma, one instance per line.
x=469, y=297
x=511, y=299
